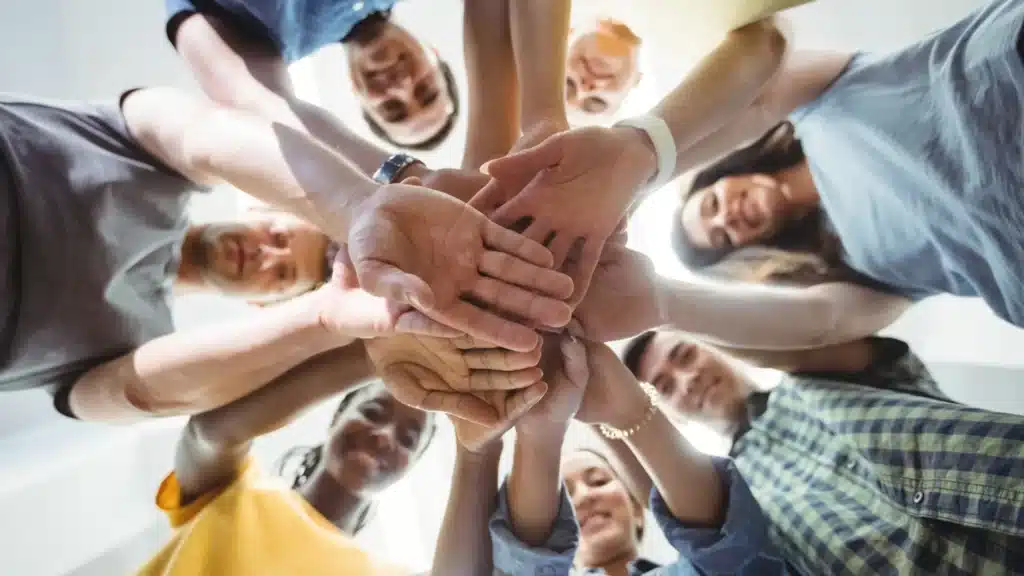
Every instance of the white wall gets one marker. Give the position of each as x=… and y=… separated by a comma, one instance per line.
x=71, y=493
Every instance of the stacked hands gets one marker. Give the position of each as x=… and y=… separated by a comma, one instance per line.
x=454, y=275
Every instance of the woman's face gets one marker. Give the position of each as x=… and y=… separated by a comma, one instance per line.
x=736, y=211
x=602, y=67
x=374, y=440
x=608, y=518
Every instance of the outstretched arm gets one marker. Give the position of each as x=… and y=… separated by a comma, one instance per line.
x=214, y=444
x=272, y=161
x=493, y=84
x=464, y=544
x=252, y=76
x=767, y=318
x=540, y=36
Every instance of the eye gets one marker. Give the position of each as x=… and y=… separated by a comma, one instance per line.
x=409, y=438
x=570, y=87
x=373, y=413
x=425, y=93
x=280, y=239
x=595, y=105
x=687, y=355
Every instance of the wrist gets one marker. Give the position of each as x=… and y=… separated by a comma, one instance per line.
x=486, y=454
x=642, y=152
x=542, y=433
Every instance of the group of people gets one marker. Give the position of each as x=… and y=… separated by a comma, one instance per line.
x=846, y=185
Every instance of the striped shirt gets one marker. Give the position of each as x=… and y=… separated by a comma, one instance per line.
x=857, y=479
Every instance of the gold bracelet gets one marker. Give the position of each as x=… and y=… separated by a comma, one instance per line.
x=616, y=434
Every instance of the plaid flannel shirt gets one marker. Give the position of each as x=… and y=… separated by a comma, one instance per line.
x=859, y=477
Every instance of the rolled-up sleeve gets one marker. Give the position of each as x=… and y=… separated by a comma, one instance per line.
x=740, y=546
x=514, y=557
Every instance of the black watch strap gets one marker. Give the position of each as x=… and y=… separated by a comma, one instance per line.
x=393, y=167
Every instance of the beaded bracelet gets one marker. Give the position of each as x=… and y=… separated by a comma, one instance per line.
x=616, y=434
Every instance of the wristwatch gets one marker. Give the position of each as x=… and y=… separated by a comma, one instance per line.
x=393, y=167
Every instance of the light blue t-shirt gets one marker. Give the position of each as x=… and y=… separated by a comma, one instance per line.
x=917, y=156
x=297, y=27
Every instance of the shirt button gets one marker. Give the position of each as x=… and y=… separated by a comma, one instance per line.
x=357, y=6
x=918, y=497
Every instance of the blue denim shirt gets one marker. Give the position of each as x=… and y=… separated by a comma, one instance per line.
x=297, y=27
x=741, y=546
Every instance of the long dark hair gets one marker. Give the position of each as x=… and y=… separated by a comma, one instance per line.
x=299, y=463
x=804, y=252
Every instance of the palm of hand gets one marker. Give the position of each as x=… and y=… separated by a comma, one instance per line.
x=395, y=234
x=433, y=374
x=623, y=298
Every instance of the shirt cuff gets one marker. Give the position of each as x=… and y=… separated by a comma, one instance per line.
x=740, y=546
x=553, y=558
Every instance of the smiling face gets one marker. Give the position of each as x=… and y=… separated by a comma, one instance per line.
x=400, y=85
x=602, y=67
x=694, y=380
x=266, y=256
x=374, y=440
x=608, y=516
x=736, y=211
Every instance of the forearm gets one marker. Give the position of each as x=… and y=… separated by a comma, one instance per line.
x=281, y=401
x=464, y=543
x=215, y=443
x=843, y=358
x=493, y=85
x=326, y=127
x=684, y=476
x=540, y=36
x=534, y=485
x=747, y=316
x=193, y=371
x=710, y=112
x=280, y=165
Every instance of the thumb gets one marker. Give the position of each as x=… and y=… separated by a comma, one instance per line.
x=387, y=281
x=525, y=164
x=520, y=402
x=413, y=181
x=343, y=269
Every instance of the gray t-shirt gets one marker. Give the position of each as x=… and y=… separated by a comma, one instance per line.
x=89, y=240
x=917, y=156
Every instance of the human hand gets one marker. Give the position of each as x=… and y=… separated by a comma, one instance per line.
x=421, y=247
x=510, y=408
x=613, y=396
x=574, y=186
x=457, y=376
x=343, y=308
x=455, y=182
x=623, y=299
x=564, y=361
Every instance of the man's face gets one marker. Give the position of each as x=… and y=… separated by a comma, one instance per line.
x=694, y=380
x=400, y=85
x=602, y=67
x=266, y=256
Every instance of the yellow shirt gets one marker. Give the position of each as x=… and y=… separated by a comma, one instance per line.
x=255, y=526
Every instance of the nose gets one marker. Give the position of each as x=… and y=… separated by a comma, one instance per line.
x=383, y=441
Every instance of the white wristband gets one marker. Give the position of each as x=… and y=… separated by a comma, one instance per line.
x=664, y=145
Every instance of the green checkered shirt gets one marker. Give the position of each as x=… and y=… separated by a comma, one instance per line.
x=858, y=478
